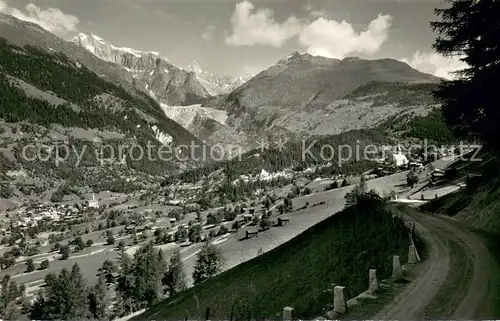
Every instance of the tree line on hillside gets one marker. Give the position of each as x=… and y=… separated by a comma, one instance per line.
x=399, y=93
x=296, y=156
x=56, y=73
x=431, y=127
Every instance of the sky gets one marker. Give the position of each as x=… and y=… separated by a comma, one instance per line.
x=231, y=37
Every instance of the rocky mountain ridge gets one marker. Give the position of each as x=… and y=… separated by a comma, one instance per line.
x=151, y=73
x=158, y=77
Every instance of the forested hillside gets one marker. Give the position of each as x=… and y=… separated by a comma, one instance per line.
x=46, y=98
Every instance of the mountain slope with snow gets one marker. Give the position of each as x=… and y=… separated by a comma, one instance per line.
x=223, y=83
x=172, y=86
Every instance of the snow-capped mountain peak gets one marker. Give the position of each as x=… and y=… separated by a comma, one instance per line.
x=157, y=76
x=195, y=67
x=105, y=50
x=151, y=73
x=96, y=38
x=226, y=83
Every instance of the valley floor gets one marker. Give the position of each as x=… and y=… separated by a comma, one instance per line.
x=236, y=251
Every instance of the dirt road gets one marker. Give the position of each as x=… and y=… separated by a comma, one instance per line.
x=454, y=281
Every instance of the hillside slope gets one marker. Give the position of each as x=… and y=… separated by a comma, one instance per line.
x=22, y=33
x=48, y=99
x=299, y=273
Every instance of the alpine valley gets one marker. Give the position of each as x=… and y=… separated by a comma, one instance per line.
x=92, y=93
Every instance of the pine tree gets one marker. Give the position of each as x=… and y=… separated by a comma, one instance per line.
x=469, y=29
x=30, y=265
x=98, y=299
x=175, y=279
x=125, y=286
x=161, y=261
x=44, y=264
x=412, y=178
x=107, y=270
x=63, y=297
x=358, y=191
x=76, y=294
x=148, y=275
x=65, y=252
x=9, y=292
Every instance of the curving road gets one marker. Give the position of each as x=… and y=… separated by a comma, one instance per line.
x=453, y=282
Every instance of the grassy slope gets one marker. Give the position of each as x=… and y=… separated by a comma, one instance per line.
x=299, y=273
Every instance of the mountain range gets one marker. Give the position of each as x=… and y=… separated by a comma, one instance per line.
x=224, y=83
x=304, y=95
x=300, y=96
x=157, y=76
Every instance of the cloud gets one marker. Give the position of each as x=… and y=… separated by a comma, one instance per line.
x=309, y=8
x=259, y=27
x=436, y=64
x=208, y=34
x=321, y=13
x=51, y=19
x=321, y=36
x=333, y=39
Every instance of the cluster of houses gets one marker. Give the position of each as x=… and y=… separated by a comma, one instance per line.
x=33, y=214
x=399, y=159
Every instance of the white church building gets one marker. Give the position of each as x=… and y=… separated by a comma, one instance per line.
x=398, y=158
x=94, y=202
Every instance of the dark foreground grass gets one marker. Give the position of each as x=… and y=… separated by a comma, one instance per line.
x=300, y=272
